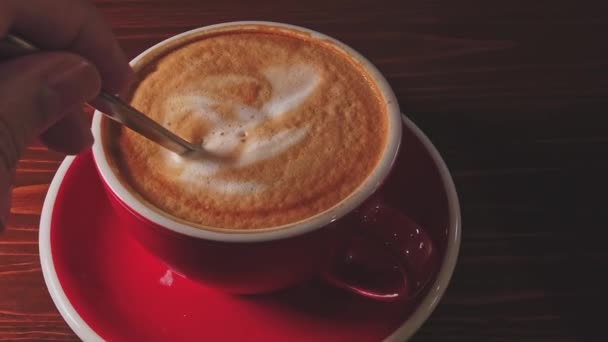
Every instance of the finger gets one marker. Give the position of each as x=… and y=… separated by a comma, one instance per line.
x=69, y=24
x=34, y=92
x=70, y=135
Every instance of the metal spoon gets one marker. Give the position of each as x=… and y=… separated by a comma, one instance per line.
x=116, y=109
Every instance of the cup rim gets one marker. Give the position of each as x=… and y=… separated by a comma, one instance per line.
x=318, y=221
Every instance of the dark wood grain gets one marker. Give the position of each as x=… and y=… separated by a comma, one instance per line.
x=515, y=96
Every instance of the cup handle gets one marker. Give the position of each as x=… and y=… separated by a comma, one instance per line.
x=390, y=257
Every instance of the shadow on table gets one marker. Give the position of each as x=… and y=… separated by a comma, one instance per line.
x=579, y=277
x=534, y=195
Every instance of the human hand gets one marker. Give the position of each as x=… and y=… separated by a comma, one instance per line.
x=42, y=94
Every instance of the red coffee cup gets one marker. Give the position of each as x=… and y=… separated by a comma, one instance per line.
x=362, y=244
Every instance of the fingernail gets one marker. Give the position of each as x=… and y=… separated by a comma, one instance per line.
x=126, y=82
x=73, y=81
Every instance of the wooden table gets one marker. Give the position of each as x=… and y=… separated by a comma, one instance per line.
x=515, y=96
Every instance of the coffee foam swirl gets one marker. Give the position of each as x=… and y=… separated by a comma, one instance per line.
x=296, y=124
x=290, y=86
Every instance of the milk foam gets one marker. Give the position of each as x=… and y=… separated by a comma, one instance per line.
x=290, y=87
x=297, y=126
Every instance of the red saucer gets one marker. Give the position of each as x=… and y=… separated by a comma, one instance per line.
x=108, y=287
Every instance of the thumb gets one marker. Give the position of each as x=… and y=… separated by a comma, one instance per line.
x=34, y=92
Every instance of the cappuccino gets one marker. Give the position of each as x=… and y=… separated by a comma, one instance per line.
x=296, y=124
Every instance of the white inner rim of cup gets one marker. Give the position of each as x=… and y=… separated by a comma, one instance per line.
x=369, y=186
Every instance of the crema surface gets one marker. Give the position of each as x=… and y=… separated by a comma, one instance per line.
x=295, y=123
